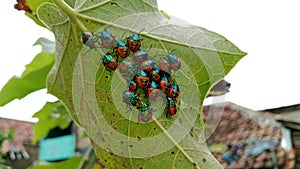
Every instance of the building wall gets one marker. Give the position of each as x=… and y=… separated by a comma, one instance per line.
x=296, y=144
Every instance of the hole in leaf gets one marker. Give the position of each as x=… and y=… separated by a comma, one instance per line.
x=113, y=4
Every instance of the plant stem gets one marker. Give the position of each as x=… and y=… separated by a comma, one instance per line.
x=88, y=159
x=70, y=12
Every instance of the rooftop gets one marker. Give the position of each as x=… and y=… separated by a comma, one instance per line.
x=236, y=126
x=23, y=132
x=286, y=114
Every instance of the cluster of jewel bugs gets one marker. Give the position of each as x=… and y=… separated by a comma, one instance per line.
x=170, y=62
x=146, y=79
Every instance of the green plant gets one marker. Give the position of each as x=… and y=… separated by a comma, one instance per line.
x=88, y=90
x=5, y=135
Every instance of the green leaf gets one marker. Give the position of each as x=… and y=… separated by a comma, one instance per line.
x=6, y=135
x=34, y=4
x=93, y=95
x=4, y=166
x=71, y=163
x=53, y=114
x=48, y=46
x=33, y=78
x=218, y=148
x=35, y=19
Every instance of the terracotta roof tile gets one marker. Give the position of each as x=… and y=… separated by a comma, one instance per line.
x=236, y=126
x=23, y=132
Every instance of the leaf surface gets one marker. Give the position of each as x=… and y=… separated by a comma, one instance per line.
x=53, y=114
x=34, y=76
x=93, y=95
x=72, y=162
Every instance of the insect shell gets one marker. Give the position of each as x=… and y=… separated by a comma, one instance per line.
x=129, y=98
x=134, y=42
x=108, y=40
x=145, y=117
x=132, y=86
x=164, y=65
x=145, y=113
x=147, y=65
x=142, y=79
x=153, y=91
x=109, y=62
x=173, y=91
x=164, y=84
x=128, y=69
x=172, y=109
x=175, y=62
x=89, y=39
x=122, y=49
x=125, y=65
x=140, y=55
x=154, y=75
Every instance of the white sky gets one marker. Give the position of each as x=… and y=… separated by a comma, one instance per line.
x=268, y=30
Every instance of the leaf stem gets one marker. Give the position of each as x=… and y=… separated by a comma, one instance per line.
x=94, y=6
x=89, y=159
x=174, y=142
x=70, y=12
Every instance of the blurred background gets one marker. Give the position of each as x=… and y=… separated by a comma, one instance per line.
x=267, y=30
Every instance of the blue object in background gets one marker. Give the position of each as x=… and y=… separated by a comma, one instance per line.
x=231, y=155
x=259, y=146
x=58, y=148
